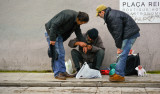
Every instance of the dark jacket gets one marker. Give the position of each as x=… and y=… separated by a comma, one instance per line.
x=96, y=45
x=120, y=25
x=64, y=24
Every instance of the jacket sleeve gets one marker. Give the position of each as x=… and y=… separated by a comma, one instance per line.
x=99, y=45
x=72, y=42
x=55, y=25
x=79, y=34
x=117, y=31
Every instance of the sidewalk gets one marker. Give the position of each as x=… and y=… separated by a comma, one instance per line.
x=47, y=80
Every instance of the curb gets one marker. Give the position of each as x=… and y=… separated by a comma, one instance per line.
x=79, y=84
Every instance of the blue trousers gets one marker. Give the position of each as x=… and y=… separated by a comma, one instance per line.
x=58, y=66
x=121, y=64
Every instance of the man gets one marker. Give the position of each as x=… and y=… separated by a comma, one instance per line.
x=92, y=53
x=124, y=30
x=59, y=29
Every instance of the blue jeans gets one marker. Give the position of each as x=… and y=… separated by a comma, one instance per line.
x=58, y=66
x=121, y=64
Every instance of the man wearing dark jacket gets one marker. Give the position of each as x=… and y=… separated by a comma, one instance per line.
x=92, y=53
x=124, y=31
x=59, y=29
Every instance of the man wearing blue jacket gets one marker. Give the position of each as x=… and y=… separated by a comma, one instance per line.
x=124, y=31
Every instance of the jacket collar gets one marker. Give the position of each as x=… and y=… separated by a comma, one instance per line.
x=107, y=13
x=75, y=18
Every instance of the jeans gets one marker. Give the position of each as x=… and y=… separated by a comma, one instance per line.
x=121, y=63
x=58, y=66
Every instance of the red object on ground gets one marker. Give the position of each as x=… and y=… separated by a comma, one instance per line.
x=131, y=51
x=105, y=72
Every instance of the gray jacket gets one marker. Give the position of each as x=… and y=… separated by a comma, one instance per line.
x=96, y=45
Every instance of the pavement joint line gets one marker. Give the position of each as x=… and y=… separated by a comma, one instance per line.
x=145, y=90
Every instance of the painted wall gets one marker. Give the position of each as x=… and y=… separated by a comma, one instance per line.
x=23, y=45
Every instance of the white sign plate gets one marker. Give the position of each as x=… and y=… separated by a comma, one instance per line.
x=142, y=11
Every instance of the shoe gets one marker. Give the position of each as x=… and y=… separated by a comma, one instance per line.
x=60, y=77
x=111, y=75
x=116, y=78
x=68, y=75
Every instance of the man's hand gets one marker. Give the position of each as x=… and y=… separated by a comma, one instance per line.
x=119, y=51
x=85, y=50
x=52, y=42
x=82, y=44
x=89, y=47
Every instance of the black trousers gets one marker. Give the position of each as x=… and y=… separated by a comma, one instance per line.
x=96, y=64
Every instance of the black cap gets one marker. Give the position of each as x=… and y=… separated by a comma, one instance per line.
x=93, y=33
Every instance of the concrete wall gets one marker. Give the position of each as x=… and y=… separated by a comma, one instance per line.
x=24, y=47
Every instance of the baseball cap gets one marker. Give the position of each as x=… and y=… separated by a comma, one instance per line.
x=100, y=8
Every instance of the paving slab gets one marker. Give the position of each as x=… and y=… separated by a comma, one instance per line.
x=78, y=90
x=133, y=91
x=109, y=90
x=152, y=90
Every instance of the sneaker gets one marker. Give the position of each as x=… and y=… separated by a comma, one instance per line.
x=60, y=77
x=116, y=78
x=111, y=75
x=68, y=75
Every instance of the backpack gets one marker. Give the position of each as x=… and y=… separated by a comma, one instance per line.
x=132, y=62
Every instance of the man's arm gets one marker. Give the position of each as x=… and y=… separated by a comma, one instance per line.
x=72, y=43
x=117, y=27
x=79, y=35
x=75, y=42
x=117, y=30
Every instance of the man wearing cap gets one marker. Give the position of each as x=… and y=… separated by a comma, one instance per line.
x=124, y=31
x=92, y=53
x=59, y=29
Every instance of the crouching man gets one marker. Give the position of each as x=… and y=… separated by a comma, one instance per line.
x=93, y=53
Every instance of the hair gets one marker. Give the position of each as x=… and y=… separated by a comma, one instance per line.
x=82, y=16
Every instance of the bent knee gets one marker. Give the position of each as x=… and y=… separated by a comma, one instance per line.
x=73, y=51
x=100, y=52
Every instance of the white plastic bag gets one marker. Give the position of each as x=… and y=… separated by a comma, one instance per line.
x=141, y=71
x=86, y=72
x=69, y=68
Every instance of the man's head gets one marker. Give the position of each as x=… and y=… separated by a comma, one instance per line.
x=101, y=10
x=92, y=34
x=82, y=18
